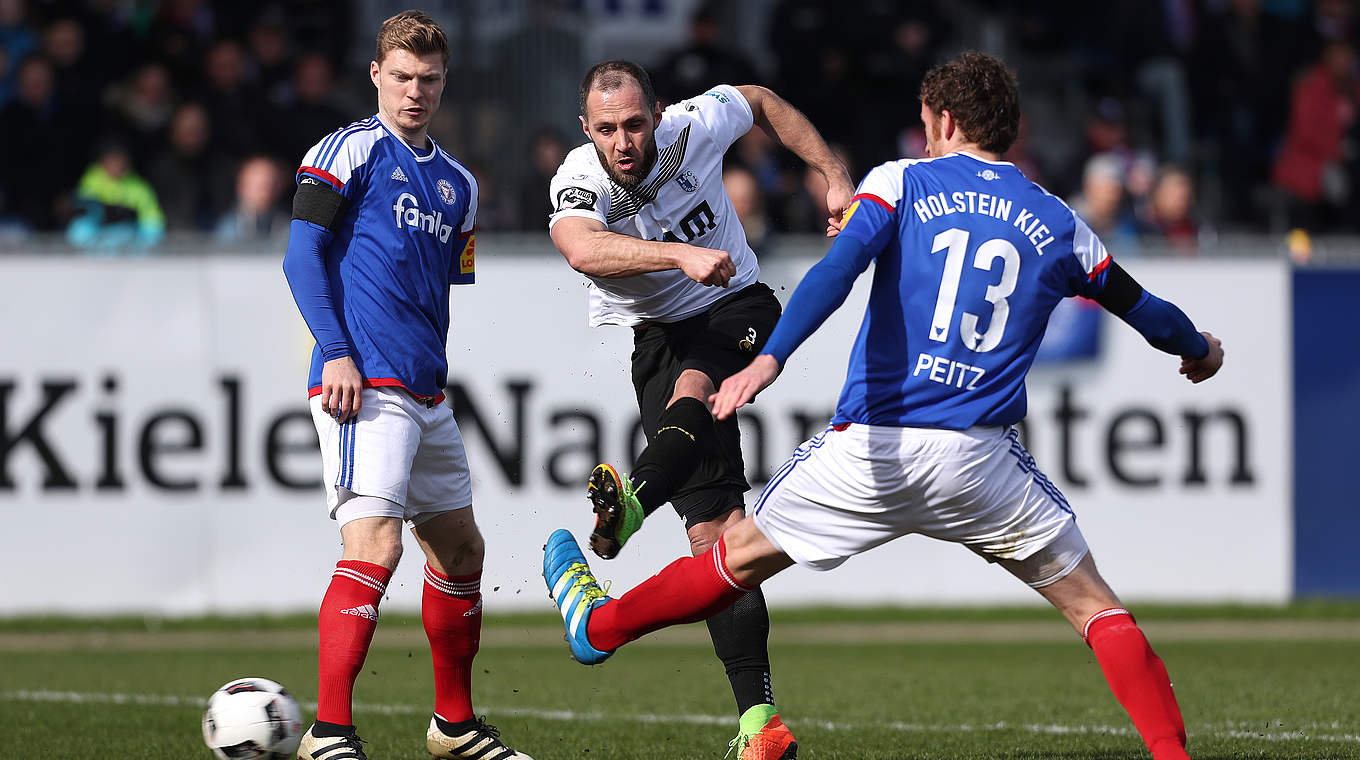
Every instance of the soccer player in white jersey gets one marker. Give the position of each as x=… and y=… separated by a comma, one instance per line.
x=642, y=212
x=382, y=225
x=971, y=258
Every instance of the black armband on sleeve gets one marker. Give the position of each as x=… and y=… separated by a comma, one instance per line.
x=1121, y=292
x=318, y=203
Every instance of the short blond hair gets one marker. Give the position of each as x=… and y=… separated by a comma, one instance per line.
x=415, y=32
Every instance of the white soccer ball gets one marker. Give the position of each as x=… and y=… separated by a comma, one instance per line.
x=252, y=718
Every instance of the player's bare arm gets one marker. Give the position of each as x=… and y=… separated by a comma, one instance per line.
x=1205, y=367
x=787, y=125
x=738, y=390
x=591, y=248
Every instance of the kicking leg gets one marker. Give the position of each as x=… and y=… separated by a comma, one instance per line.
x=684, y=434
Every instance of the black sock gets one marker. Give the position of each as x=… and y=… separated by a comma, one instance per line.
x=684, y=433
x=740, y=636
x=323, y=729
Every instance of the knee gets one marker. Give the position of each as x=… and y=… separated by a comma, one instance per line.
x=693, y=384
x=703, y=536
x=463, y=557
x=380, y=548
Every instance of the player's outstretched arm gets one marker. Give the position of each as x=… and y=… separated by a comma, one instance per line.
x=788, y=126
x=738, y=390
x=590, y=248
x=1164, y=326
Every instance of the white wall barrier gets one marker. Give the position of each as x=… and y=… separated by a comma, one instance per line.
x=156, y=454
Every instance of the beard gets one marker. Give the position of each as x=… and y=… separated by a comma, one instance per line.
x=632, y=178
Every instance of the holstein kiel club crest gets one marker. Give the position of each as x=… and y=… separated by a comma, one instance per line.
x=445, y=189
x=687, y=181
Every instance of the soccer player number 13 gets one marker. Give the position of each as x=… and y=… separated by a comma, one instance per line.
x=955, y=241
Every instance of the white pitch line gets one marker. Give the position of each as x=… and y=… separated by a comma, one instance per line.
x=1230, y=730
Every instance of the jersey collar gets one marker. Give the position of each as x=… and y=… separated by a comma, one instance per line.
x=434, y=146
x=983, y=160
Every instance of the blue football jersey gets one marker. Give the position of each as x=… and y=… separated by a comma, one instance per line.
x=407, y=234
x=971, y=259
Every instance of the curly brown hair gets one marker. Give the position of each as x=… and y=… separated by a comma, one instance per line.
x=982, y=96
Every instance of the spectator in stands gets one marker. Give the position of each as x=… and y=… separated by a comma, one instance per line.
x=270, y=51
x=17, y=40
x=749, y=203
x=546, y=152
x=232, y=102
x=1169, y=216
x=805, y=209
x=1244, y=60
x=257, y=215
x=142, y=107
x=40, y=150
x=180, y=31
x=897, y=43
x=704, y=61
x=80, y=83
x=1312, y=167
x=191, y=179
x=116, y=209
x=1102, y=203
x=311, y=108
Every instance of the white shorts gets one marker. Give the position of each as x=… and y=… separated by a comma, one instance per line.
x=846, y=491
x=398, y=450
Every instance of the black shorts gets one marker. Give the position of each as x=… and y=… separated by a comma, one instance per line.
x=719, y=342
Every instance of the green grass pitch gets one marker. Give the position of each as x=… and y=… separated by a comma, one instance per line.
x=876, y=684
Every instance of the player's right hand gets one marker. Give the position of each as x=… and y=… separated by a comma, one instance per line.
x=341, y=388
x=707, y=266
x=739, y=389
x=1199, y=370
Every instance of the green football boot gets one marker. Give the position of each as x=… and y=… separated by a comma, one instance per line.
x=618, y=515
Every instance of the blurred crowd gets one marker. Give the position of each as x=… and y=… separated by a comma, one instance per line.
x=1162, y=121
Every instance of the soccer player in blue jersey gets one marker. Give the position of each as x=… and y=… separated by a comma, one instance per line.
x=971, y=257
x=383, y=223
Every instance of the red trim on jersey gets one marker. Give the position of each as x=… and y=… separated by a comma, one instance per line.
x=389, y=382
x=1101, y=267
x=841, y=428
x=875, y=199
x=321, y=174
x=468, y=234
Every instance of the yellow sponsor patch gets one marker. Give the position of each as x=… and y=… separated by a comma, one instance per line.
x=467, y=260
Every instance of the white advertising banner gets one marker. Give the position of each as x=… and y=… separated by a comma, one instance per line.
x=156, y=454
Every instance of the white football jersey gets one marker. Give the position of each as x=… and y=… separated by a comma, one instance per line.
x=682, y=200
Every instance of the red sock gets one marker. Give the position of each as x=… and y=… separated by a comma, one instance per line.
x=349, y=613
x=686, y=590
x=451, y=609
x=1139, y=681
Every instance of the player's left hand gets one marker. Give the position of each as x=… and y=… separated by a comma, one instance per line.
x=739, y=389
x=1199, y=370
x=839, y=192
